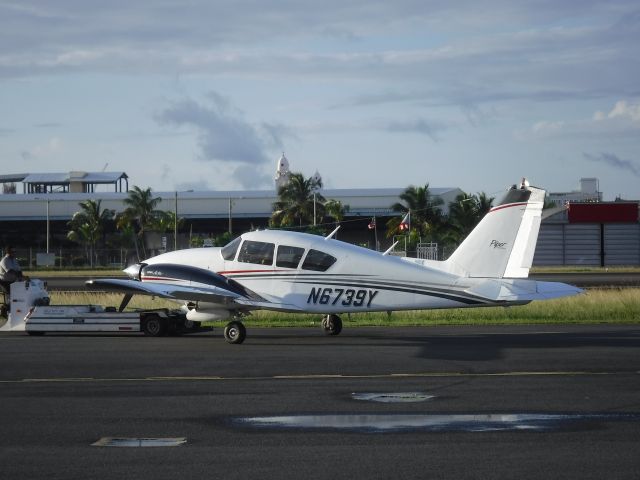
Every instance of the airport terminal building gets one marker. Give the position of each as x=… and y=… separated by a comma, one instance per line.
x=576, y=232
x=52, y=199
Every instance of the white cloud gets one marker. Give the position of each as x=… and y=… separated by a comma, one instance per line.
x=623, y=109
x=487, y=63
x=622, y=120
x=51, y=147
x=223, y=134
x=546, y=127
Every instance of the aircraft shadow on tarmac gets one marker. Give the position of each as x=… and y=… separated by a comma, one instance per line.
x=469, y=347
x=490, y=347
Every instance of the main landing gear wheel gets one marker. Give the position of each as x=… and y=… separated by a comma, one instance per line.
x=235, y=332
x=153, y=326
x=332, y=324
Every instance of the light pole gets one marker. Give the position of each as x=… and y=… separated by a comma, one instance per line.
x=175, y=223
x=47, y=217
x=48, y=225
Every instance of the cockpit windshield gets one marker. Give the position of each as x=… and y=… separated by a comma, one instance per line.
x=230, y=249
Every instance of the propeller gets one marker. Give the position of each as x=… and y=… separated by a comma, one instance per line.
x=125, y=301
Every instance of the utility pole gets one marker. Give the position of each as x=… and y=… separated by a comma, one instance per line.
x=175, y=223
x=375, y=231
x=48, y=226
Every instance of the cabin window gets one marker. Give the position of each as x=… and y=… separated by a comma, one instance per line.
x=318, y=261
x=256, y=252
x=288, y=257
x=230, y=249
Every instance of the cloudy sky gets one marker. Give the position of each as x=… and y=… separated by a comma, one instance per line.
x=207, y=94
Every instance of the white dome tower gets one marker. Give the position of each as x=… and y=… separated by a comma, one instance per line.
x=317, y=177
x=282, y=172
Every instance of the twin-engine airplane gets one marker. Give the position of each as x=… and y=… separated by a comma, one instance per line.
x=297, y=272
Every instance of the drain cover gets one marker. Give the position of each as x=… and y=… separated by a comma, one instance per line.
x=393, y=397
x=139, y=442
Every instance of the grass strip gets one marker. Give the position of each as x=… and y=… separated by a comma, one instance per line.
x=615, y=306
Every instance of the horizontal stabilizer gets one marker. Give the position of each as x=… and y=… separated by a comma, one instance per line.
x=519, y=290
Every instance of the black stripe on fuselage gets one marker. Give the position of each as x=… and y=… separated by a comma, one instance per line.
x=428, y=293
x=335, y=280
x=339, y=279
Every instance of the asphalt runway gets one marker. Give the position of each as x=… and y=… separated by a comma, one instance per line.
x=456, y=402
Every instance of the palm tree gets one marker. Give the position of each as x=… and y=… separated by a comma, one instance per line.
x=166, y=222
x=141, y=210
x=336, y=210
x=463, y=215
x=466, y=212
x=297, y=201
x=426, y=217
x=485, y=203
x=87, y=225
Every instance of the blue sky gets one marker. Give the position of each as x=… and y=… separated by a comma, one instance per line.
x=197, y=94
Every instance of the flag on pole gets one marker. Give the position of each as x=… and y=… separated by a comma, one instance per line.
x=372, y=223
x=405, y=224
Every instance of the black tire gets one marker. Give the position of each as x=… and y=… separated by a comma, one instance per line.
x=332, y=324
x=154, y=326
x=235, y=332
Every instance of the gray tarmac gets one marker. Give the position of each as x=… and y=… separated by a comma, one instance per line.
x=497, y=402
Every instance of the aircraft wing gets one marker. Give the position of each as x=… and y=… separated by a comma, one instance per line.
x=516, y=290
x=211, y=293
x=265, y=305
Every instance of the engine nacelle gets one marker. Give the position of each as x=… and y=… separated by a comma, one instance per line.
x=207, y=315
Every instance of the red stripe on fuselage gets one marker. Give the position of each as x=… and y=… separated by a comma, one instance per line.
x=500, y=207
x=252, y=271
x=161, y=279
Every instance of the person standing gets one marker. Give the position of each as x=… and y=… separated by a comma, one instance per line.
x=10, y=270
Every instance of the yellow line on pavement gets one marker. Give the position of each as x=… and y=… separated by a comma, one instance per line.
x=312, y=377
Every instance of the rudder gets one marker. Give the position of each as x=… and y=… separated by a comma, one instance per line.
x=503, y=243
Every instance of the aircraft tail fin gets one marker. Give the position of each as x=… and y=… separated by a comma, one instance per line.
x=503, y=243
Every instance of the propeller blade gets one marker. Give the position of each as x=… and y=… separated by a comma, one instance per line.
x=125, y=301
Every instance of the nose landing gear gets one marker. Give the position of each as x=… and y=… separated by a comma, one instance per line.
x=332, y=324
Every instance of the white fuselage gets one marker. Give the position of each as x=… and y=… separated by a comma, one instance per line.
x=359, y=280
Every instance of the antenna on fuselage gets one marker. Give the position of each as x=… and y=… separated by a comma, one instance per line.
x=388, y=250
x=332, y=233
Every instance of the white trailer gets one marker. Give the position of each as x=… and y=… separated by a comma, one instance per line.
x=29, y=311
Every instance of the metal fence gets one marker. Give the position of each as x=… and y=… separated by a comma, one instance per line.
x=427, y=251
x=33, y=259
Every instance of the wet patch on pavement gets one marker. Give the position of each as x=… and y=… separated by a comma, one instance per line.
x=139, y=442
x=393, y=397
x=382, y=423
